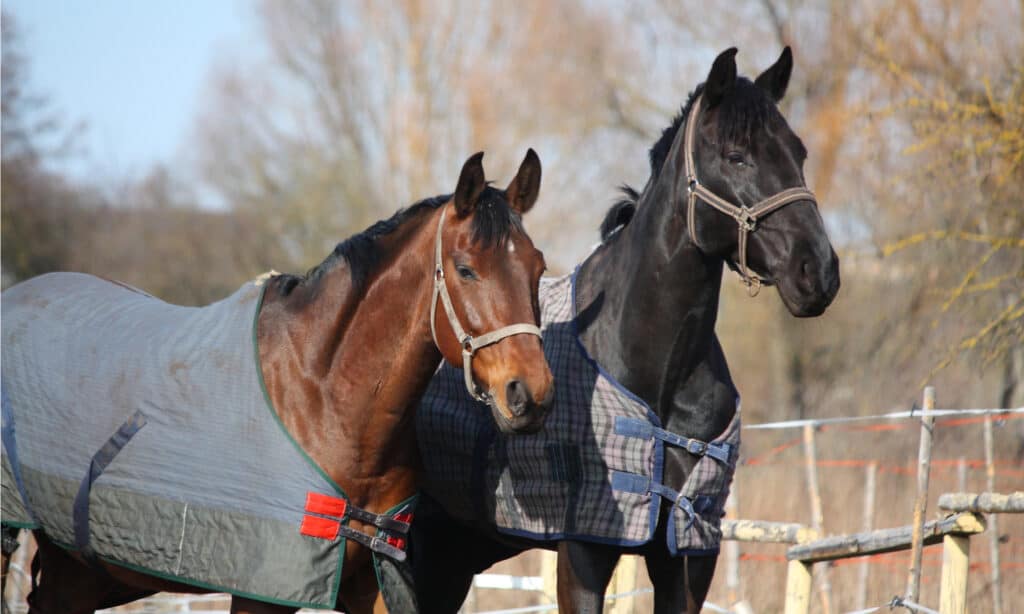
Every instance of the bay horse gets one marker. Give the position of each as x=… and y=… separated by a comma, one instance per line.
x=726, y=188
x=341, y=356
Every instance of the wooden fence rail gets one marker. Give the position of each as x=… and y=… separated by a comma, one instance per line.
x=986, y=502
x=953, y=532
x=764, y=531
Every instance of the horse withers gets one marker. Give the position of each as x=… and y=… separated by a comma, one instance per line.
x=640, y=447
x=263, y=445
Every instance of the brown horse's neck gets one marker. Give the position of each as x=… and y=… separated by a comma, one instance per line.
x=344, y=366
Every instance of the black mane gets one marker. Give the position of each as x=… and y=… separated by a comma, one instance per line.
x=746, y=108
x=493, y=222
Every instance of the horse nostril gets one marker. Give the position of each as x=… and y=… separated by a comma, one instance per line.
x=517, y=397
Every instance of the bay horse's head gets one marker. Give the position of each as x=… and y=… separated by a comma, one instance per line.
x=485, y=311
x=745, y=193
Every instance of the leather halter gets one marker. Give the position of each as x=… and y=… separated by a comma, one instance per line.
x=746, y=217
x=469, y=343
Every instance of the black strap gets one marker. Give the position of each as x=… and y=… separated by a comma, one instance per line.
x=100, y=461
x=381, y=521
x=376, y=544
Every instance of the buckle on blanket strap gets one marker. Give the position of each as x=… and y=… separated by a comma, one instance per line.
x=635, y=427
x=642, y=485
x=325, y=515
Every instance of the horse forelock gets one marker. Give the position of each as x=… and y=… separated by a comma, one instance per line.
x=742, y=113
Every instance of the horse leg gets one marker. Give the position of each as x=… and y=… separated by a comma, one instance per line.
x=445, y=554
x=359, y=591
x=584, y=570
x=680, y=583
x=9, y=544
x=65, y=584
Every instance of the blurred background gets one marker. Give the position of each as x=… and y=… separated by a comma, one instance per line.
x=186, y=147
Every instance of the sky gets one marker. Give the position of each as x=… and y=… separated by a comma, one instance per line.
x=134, y=72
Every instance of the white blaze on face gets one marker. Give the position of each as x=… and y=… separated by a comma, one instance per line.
x=511, y=247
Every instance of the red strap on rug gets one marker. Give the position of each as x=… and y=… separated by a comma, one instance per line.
x=315, y=526
x=326, y=505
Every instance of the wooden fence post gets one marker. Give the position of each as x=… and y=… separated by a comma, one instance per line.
x=993, y=521
x=732, y=551
x=955, y=563
x=798, y=587
x=623, y=581
x=924, y=459
x=817, y=515
x=867, y=525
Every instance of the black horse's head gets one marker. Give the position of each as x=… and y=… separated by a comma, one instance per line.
x=744, y=153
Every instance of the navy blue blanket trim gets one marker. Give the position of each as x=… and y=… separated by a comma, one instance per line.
x=11, y=448
x=100, y=461
x=634, y=427
x=640, y=484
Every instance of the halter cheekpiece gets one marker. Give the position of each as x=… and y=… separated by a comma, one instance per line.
x=746, y=217
x=469, y=343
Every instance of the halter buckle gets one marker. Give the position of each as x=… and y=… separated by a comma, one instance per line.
x=467, y=344
x=691, y=184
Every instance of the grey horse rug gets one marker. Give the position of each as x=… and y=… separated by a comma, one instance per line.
x=594, y=472
x=139, y=432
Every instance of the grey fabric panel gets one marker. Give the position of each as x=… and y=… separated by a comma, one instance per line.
x=13, y=510
x=188, y=542
x=50, y=499
x=81, y=354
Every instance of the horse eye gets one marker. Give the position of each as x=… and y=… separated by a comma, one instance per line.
x=735, y=157
x=465, y=272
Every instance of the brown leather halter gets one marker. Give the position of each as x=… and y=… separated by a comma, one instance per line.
x=469, y=343
x=745, y=217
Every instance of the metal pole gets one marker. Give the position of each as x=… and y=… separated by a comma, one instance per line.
x=924, y=459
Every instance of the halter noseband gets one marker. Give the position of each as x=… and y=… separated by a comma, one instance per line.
x=469, y=343
x=745, y=217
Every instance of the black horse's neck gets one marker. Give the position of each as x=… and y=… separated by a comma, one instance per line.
x=647, y=301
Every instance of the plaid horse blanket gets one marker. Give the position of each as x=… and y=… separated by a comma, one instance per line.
x=594, y=472
x=139, y=432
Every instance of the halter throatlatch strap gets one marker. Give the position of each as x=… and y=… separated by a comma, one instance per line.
x=746, y=217
x=469, y=343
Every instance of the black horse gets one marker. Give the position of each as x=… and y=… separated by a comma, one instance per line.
x=726, y=187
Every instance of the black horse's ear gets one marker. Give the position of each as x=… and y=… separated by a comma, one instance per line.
x=522, y=192
x=775, y=79
x=722, y=77
x=471, y=184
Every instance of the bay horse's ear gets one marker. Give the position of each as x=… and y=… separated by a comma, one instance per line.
x=775, y=79
x=722, y=77
x=471, y=184
x=522, y=192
